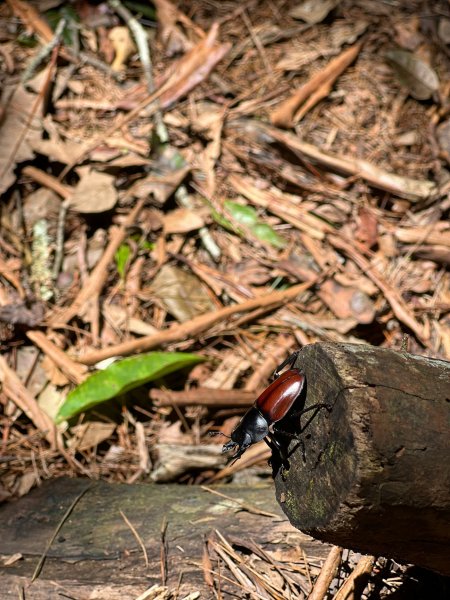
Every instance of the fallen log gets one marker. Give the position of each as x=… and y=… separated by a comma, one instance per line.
x=372, y=472
x=84, y=530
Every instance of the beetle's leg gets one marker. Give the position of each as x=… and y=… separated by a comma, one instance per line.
x=285, y=465
x=299, y=413
x=316, y=406
x=275, y=446
x=285, y=455
x=290, y=360
x=240, y=451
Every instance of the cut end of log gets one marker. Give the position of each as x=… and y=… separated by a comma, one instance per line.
x=372, y=472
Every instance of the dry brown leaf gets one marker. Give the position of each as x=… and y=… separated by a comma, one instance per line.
x=165, y=177
x=367, y=228
x=55, y=148
x=443, y=136
x=444, y=30
x=94, y=193
x=54, y=375
x=208, y=118
x=171, y=34
x=407, y=33
x=181, y=220
x=119, y=318
x=313, y=11
x=19, y=128
x=88, y=435
x=347, y=302
x=25, y=483
x=392, y=294
x=194, y=67
x=420, y=79
x=181, y=293
x=228, y=372
x=31, y=18
x=51, y=398
x=41, y=204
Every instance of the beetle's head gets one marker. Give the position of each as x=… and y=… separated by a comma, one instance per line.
x=252, y=428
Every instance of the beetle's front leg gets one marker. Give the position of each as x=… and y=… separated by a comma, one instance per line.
x=275, y=446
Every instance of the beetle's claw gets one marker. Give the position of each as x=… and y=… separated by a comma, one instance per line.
x=284, y=470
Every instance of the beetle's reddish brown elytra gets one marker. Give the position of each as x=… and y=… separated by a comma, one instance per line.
x=273, y=404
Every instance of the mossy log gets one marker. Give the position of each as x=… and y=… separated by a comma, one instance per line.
x=372, y=472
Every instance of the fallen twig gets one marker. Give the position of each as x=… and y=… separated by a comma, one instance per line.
x=74, y=371
x=405, y=187
x=203, y=397
x=194, y=326
x=99, y=274
x=55, y=533
x=327, y=574
x=314, y=90
x=363, y=568
x=14, y=389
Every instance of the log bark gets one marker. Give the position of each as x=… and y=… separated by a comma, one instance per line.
x=373, y=472
x=95, y=554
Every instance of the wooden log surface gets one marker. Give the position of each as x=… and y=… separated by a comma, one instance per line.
x=96, y=555
x=373, y=473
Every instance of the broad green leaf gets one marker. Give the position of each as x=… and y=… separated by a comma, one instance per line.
x=121, y=257
x=121, y=377
x=246, y=215
x=221, y=220
x=267, y=234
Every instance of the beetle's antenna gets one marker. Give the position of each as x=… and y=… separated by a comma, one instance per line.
x=214, y=433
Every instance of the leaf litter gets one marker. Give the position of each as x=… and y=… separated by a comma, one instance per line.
x=281, y=178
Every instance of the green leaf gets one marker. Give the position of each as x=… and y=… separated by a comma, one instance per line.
x=121, y=377
x=246, y=215
x=221, y=220
x=68, y=13
x=267, y=234
x=141, y=8
x=121, y=257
